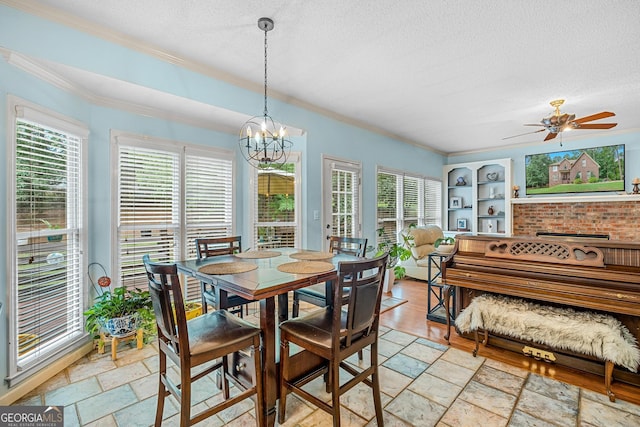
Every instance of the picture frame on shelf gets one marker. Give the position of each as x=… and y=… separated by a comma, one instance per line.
x=455, y=202
x=462, y=224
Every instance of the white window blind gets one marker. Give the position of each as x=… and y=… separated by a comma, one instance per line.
x=169, y=195
x=406, y=199
x=47, y=296
x=149, y=205
x=209, y=204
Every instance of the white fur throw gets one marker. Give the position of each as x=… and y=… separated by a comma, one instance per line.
x=584, y=332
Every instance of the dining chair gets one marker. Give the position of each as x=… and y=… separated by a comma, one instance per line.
x=334, y=333
x=210, y=247
x=205, y=340
x=315, y=294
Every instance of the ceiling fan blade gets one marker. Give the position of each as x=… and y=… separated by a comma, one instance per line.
x=550, y=136
x=533, y=124
x=598, y=116
x=596, y=126
x=522, y=134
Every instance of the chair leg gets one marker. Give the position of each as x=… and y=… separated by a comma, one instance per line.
x=185, y=396
x=261, y=415
x=284, y=372
x=295, y=309
x=334, y=368
x=162, y=391
x=224, y=372
x=375, y=382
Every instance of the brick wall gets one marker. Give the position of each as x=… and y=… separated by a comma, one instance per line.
x=619, y=219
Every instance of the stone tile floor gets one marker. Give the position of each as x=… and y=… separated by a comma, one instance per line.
x=423, y=383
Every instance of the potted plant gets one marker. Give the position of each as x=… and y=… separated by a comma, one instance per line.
x=445, y=245
x=120, y=313
x=397, y=252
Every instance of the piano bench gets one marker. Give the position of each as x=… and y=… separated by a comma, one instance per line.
x=590, y=333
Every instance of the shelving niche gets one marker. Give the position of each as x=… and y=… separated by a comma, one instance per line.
x=478, y=195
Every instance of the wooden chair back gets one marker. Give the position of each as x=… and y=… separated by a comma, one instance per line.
x=348, y=245
x=208, y=247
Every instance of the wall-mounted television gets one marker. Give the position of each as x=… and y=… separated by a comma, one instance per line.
x=584, y=170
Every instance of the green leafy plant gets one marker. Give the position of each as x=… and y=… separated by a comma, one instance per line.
x=444, y=241
x=397, y=252
x=119, y=303
x=49, y=225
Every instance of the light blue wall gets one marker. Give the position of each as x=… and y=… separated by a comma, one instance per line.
x=38, y=38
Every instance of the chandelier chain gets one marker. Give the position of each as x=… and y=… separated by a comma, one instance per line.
x=265, y=72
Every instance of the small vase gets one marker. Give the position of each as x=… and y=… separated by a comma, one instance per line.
x=490, y=211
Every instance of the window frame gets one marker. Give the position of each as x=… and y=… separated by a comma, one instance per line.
x=401, y=219
x=183, y=150
x=18, y=108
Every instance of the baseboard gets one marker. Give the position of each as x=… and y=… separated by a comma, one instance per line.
x=45, y=374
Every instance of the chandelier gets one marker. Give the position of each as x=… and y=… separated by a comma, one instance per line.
x=262, y=140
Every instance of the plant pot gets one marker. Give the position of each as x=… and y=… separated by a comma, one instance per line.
x=27, y=343
x=389, y=280
x=192, y=309
x=121, y=326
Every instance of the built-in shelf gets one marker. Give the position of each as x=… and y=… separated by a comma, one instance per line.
x=578, y=199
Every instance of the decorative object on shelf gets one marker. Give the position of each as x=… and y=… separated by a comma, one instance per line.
x=490, y=225
x=455, y=202
x=516, y=191
x=263, y=141
x=462, y=224
x=492, y=193
x=493, y=176
x=460, y=181
x=636, y=183
x=490, y=211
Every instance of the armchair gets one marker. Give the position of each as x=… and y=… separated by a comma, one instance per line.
x=421, y=245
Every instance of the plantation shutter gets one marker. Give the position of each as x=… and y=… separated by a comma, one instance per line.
x=406, y=199
x=433, y=202
x=387, y=211
x=345, y=201
x=46, y=304
x=149, y=210
x=208, y=203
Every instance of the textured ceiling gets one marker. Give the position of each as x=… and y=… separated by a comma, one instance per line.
x=453, y=75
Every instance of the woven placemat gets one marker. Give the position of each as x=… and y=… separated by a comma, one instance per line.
x=258, y=254
x=306, y=267
x=311, y=256
x=232, y=267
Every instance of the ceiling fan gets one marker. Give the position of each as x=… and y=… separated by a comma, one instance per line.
x=560, y=122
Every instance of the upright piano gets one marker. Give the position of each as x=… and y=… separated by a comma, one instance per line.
x=582, y=273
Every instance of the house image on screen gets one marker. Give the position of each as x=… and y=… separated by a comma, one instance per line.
x=566, y=171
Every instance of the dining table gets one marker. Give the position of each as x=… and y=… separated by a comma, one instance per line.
x=264, y=276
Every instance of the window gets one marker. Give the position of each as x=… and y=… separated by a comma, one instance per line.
x=276, y=205
x=47, y=218
x=405, y=199
x=168, y=194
